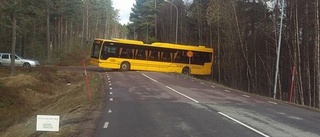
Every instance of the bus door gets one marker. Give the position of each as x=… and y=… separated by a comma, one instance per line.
x=108, y=51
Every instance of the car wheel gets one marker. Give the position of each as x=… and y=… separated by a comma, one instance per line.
x=26, y=65
x=125, y=66
x=0, y=64
x=186, y=71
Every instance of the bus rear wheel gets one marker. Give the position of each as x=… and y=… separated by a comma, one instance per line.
x=125, y=66
x=186, y=71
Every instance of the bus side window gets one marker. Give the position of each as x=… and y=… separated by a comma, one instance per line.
x=166, y=57
x=207, y=57
x=126, y=53
x=140, y=54
x=122, y=52
x=197, y=59
x=153, y=55
x=175, y=56
x=182, y=57
x=129, y=53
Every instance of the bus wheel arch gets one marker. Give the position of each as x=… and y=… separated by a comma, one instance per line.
x=125, y=66
x=186, y=70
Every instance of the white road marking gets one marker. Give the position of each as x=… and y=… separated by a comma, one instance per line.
x=109, y=111
x=227, y=91
x=110, y=87
x=294, y=117
x=108, y=78
x=281, y=113
x=106, y=124
x=109, y=81
x=149, y=77
x=213, y=86
x=182, y=94
x=111, y=99
x=111, y=93
x=109, y=84
x=246, y=96
x=272, y=102
x=201, y=83
x=237, y=121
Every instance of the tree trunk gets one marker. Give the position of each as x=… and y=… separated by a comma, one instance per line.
x=66, y=41
x=317, y=50
x=13, y=44
x=106, y=30
x=82, y=30
x=71, y=36
x=33, y=39
x=48, y=33
x=87, y=21
x=298, y=55
x=155, y=21
x=199, y=23
x=96, y=28
x=219, y=59
x=61, y=34
x=307, y=62
x=248, y=73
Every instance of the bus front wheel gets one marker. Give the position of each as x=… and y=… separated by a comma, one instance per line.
x=186, y=71
x=125, y=66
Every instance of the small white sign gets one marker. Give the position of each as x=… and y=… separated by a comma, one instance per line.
x=47, y=123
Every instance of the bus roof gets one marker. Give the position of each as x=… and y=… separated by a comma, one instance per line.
x=160, y=45
x=182, y=47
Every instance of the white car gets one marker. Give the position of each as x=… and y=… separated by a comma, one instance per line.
x=5, y=60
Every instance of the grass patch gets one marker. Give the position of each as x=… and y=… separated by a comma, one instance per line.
x=44, y=91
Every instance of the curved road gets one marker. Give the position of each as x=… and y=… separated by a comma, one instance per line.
x=150, y=104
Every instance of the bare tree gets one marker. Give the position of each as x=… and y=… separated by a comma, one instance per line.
x=48, y=32
x=317, y=49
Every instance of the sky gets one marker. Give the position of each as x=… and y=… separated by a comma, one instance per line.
x=124, y=7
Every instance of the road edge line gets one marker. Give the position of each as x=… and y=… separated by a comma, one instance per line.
x=245, y=125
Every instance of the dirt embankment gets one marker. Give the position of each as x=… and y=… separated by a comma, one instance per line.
x=48, y=91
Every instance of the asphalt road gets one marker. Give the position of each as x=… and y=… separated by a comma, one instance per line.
x=150, y=104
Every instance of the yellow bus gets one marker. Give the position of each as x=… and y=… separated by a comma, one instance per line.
x=160, y=57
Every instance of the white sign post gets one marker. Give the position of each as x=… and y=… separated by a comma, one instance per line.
x=47, y=123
